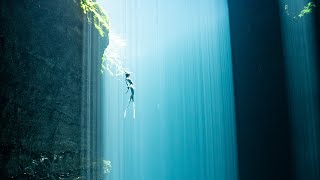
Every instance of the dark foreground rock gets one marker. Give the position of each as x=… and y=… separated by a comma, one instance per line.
x=44, y=84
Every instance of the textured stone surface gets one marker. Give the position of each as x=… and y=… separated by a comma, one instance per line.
x=43, y=81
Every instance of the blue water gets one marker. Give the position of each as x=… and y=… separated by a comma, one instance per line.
x=180, y=56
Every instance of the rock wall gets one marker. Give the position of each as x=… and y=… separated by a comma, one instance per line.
x=46, y=77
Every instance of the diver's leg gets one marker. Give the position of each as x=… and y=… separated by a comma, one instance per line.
x=134, y=108
x=125, y=111
x=134, y=111
x=128, y=103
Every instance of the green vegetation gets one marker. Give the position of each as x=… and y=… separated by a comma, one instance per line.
x=306, y=10
x=106, y=166
x=96, y=15
x=33, y=157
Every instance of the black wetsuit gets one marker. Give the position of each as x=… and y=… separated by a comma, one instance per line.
x=130, y=86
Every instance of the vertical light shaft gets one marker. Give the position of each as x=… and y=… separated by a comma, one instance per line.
x=300, y=59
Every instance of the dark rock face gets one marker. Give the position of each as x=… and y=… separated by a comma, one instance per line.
x=44, y=82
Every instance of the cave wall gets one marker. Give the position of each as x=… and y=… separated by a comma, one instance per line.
x=263, y=122
x=47, y=72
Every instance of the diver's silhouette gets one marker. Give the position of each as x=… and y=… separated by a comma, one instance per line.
x=131, y=88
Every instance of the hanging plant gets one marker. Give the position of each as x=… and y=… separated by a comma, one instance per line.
x=96, y=15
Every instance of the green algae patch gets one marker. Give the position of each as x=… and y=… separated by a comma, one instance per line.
x=96, y=15
x=307, y=9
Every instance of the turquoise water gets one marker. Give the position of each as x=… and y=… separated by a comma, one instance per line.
x=180, y=56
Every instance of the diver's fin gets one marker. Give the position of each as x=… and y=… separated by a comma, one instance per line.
x=134, y=111
x=134, y=114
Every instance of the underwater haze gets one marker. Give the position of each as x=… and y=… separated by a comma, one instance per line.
x=180, y=57
x=223, y=89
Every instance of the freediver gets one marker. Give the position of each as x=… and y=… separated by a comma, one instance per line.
x=130, y=87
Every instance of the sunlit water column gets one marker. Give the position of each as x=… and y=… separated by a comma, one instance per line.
x=300, y=59
x=91, y=78
x=203, y=129
x=85, y=105
x=180, y=55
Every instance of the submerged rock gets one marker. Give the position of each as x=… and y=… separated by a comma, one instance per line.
x=44, y=81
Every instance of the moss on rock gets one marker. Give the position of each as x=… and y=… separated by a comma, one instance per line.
x=96, y=15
